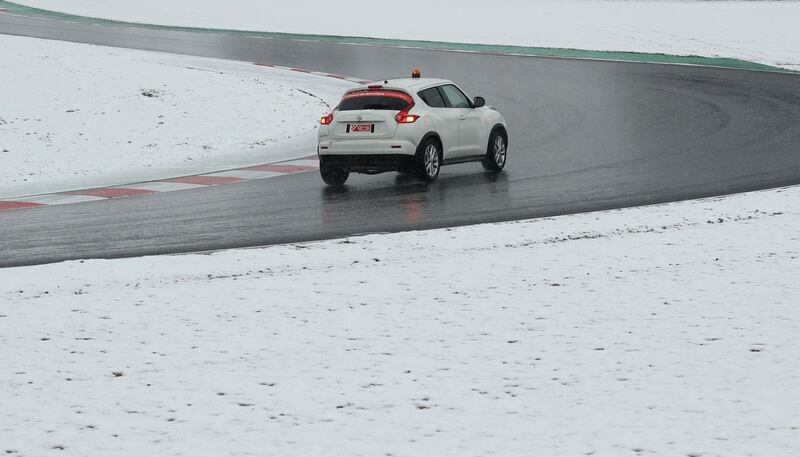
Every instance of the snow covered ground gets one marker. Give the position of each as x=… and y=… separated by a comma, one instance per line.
x=75, y=115
x=669, y=330
x=758, y=31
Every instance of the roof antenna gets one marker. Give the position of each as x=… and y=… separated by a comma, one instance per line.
x=386, y=81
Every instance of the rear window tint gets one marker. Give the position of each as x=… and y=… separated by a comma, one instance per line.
x=432, y=98
x=375, y=99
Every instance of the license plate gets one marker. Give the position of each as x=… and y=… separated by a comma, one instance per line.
x=360, y=128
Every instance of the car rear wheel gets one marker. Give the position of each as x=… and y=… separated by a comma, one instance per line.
x=430, y=160
x=333, y=176
x=496, y=153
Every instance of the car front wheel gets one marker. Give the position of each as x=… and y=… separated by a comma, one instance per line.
x=497, y=152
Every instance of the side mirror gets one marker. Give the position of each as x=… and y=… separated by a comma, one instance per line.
x=479, y=102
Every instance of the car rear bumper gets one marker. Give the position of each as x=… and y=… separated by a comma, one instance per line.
x=368, y=156
x=368, y=163
x=367, y=147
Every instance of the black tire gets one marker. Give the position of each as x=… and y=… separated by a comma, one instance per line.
x=333, y=176
x=496, y=151
x=429, y=160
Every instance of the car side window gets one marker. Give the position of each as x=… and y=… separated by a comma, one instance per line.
x=456, y=98
x=433, y=98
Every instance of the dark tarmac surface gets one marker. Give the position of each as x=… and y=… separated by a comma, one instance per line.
x=585, y=135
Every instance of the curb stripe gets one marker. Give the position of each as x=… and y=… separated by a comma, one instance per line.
x=161, y=186
x=5, y=206
x=257, y=172
x=111, y=192
x=247, y=175
x=282, y=168
x=205, y=180
x=303, y=163
x=57, y=199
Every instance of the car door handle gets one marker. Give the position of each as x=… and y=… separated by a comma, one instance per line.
x=462, y=118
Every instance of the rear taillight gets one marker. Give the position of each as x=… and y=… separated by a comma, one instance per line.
x=326, y=120
x=405, y=118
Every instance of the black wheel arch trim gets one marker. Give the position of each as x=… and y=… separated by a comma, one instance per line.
x=502, y=129
x=427, y=137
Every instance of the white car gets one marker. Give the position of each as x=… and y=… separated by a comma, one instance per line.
x=410, y=125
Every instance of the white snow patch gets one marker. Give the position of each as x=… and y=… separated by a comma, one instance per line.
x=665, y=330
x=759, y=31
x=75, y=115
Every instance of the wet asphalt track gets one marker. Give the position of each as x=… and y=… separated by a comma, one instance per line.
x=585, y=135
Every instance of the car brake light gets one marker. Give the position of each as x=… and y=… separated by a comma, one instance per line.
x=405, y=118
x=326, y=120
x=374, y=87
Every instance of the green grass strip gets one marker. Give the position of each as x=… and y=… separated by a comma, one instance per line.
x=439, y=45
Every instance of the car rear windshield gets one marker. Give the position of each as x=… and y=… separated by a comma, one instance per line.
x=387, y=100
